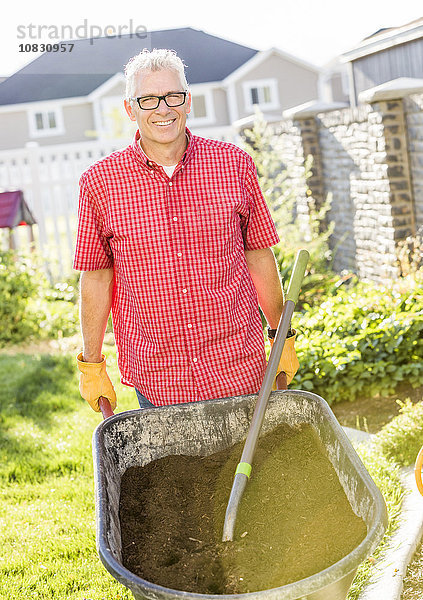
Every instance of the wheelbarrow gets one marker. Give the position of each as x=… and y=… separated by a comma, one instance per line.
x=137, y=437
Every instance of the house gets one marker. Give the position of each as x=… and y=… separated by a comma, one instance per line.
x=387, y=54
x=77, y=95
x=333, y=82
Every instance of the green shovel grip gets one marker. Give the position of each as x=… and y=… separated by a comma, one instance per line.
x=297, y=275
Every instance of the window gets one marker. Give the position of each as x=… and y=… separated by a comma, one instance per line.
x=198, y=107
x=262, y=93
x=202, y=106
x=44, y=122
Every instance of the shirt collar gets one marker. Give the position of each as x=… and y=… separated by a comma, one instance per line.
x=143, y=158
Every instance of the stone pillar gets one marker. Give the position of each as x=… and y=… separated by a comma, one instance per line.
x=388, y=114
x=305, y=119
x=310, y=141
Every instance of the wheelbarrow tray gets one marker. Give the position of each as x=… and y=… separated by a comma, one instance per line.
x=137, y=437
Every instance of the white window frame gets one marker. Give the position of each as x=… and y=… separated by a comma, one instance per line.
x=247, y=86
x=106, y=105
x=44, y=109
x=210, y=117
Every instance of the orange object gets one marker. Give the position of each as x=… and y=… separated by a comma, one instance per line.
x=418, y=471
x=95, y=383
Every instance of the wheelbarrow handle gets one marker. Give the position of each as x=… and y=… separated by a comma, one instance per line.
x=281, y=381
x=105, y=407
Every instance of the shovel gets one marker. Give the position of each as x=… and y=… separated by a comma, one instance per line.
x=243, y=469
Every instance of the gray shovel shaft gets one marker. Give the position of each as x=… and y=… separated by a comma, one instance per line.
x=266, y=387
x=240, y=480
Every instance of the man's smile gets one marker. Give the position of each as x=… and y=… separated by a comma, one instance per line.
x=164, y=123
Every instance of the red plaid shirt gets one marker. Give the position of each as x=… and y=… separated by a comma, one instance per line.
x=185, y=310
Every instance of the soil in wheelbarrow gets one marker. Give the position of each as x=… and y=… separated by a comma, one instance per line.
x=294, y=519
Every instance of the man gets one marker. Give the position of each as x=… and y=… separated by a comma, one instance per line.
x=175, y=238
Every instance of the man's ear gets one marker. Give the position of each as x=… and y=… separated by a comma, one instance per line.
x=129, y=110
x=188, y=103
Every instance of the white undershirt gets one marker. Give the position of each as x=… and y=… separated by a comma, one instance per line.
x=168, y=170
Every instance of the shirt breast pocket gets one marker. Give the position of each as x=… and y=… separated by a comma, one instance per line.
x=221, y=229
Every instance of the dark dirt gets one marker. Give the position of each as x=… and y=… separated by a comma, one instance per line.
x=288, y=526
x=371, y=414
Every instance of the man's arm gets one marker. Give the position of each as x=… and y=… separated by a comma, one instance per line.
x=96, y=289
x=265, y=275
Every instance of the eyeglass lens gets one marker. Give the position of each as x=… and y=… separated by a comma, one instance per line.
x=151, y=102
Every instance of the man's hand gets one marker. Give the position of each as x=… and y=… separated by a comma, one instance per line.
x=94, y=382
x=288, y=363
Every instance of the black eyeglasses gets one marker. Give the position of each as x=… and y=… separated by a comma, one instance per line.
x=152, y=102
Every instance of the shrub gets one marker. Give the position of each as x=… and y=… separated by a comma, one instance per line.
x=402, y=438
x=31, y=307
x=363, y=339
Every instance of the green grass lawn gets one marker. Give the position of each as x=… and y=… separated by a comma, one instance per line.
x=47, y=512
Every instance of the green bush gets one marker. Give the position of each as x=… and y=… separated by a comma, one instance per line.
x=31, y=307
x=362, y=340
x=402, y=438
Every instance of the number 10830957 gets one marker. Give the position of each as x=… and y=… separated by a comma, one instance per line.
x=61, y=47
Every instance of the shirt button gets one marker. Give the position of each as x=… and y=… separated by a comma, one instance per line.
x=179, y=254
x=170, y=184
x=189, y=325
x=194, y=359
x=184, y=291
x=175, y=218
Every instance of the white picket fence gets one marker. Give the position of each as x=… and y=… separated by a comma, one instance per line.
x=48, y=176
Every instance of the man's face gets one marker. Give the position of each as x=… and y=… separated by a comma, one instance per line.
x=163, y=125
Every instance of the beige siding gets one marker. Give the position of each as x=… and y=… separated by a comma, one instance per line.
x=14, y=130
x=338, y=94
x=116, y=90
x=78, y=121
x=221, y=107
x=296, y=84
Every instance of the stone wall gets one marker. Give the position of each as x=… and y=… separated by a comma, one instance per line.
x=369, y=160
x=413, y=106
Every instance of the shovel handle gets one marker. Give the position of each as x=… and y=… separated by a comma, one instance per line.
x=105, y=407
x=297, y=276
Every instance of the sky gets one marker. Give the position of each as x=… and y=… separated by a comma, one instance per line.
x=314, y=30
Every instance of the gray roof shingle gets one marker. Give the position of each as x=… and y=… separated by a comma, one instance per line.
x=92, y=62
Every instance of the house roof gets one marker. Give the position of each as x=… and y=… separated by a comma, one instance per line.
x=409, y=25
x=385, y=38
x=55, y=75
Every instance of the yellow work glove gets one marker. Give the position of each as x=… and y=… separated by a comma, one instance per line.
x=289, y=362
x=94, y=382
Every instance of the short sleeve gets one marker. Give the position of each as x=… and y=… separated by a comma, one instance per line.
x=259, y=230
x=92, y=251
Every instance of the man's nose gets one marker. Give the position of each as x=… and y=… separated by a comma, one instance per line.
x=163, y=107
